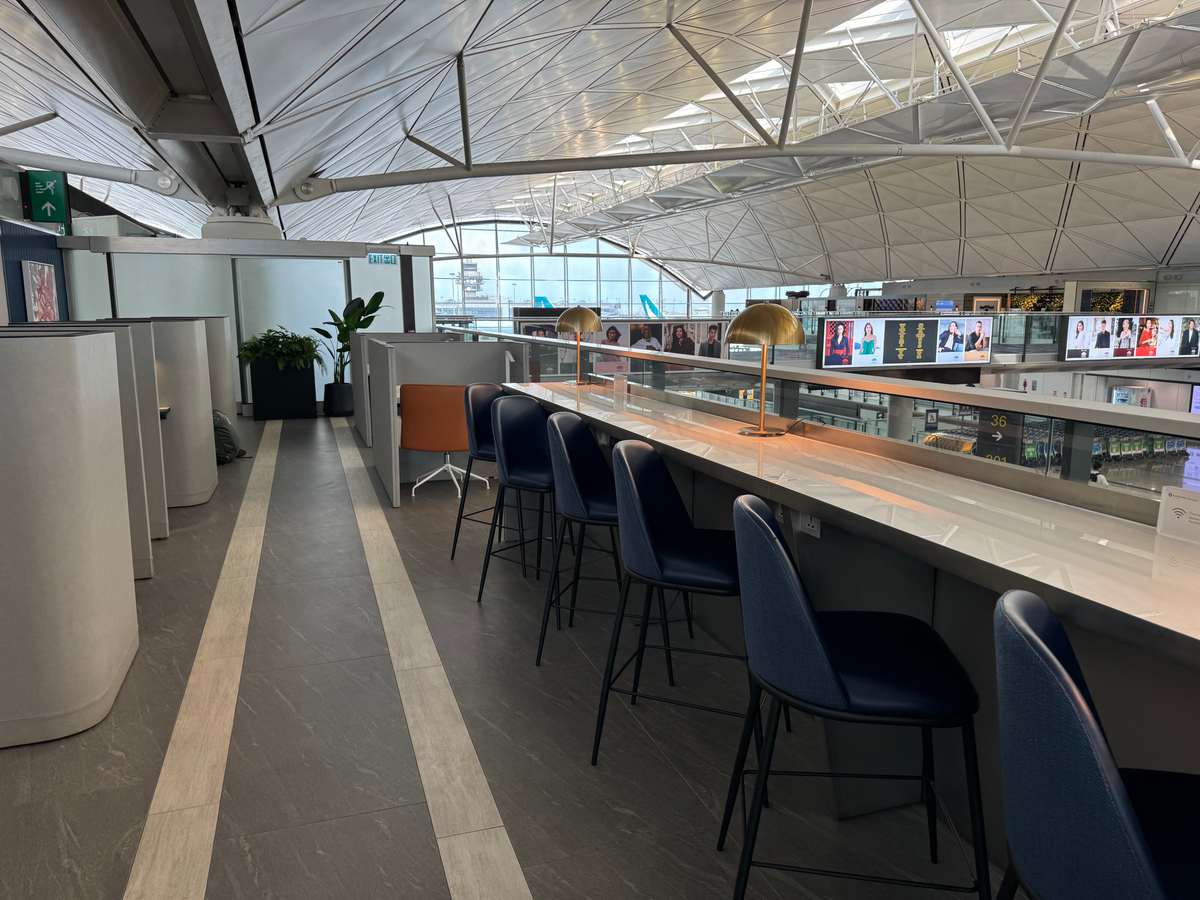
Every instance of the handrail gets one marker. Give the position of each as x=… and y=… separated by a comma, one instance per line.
x=1158, y=421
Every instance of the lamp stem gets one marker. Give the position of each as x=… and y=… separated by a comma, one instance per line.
x=762, y=398
x=578, y=360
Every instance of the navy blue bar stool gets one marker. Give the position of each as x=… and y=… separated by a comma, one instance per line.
x=586, y=495
x=870, y=667
x=522, y=465
x=1078, y=826
x=481, y=445
x=661, y=549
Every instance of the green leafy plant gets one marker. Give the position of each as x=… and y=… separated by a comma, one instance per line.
x=356, y=316
x=283, y=347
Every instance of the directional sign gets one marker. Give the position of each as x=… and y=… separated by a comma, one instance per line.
x=998, y=435
x=48, y=197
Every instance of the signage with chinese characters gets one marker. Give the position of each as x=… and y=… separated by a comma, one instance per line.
x=383, y=259
x=48, y=197
x=858, y=343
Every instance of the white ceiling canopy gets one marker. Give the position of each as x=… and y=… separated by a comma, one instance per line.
x=398, y=115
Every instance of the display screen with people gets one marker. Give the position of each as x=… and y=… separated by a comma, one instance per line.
x=904, y=341
x=1109, y=337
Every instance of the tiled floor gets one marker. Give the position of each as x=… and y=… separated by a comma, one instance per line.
x=323, y=796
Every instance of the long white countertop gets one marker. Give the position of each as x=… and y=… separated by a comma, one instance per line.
x=1108, y=574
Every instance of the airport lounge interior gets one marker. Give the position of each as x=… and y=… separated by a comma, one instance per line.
x=599, y=450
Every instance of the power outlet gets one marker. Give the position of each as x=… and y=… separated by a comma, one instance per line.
x=810, y=525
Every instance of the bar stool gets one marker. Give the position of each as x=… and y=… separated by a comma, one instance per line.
x=870, y=667
x=481, y=445
x=1077, y=825
x=586, y=495
x=661, y=549
x=522, y=464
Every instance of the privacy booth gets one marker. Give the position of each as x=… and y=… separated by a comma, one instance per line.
x=454, y=363
x=360, y=374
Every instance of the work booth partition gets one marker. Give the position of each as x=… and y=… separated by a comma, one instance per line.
x=136, y=456
x=418, y=362
x=359, y=370
x=68, y=615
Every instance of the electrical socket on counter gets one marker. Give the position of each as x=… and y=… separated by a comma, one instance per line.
x=810, y=525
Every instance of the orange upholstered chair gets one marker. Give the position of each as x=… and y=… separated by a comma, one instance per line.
x=433, y=419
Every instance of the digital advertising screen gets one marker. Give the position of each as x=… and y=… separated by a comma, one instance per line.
x=1196, y=399
x=1129, y=337
x=903, y=341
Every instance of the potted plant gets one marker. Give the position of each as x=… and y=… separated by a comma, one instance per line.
x=339, y=396
x=281, y=373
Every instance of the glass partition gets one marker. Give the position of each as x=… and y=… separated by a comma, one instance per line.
x=1138, y=462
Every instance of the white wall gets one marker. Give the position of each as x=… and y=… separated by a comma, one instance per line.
x=170, y=284
x=296, y=294
x=87, y=285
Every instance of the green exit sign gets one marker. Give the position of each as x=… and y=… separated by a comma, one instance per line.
x=48, y=196
x=382, y=259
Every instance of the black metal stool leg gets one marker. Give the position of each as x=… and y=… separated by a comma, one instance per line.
x=641, y=650
x=1008, y=887
x=787, y=719
x=739, y=763
x=462, y=502
x=537, y=573
x=551, y=589
x=616, y=551
x=756, y=805
x=666, y=633
x=687, y=611
x=608, y=667
x=521, y=530
x=487, y=557
x=575, y=582
x=983, y=878
x=927, y=789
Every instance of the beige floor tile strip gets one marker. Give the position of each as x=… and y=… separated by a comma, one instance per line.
x=176, y=847
x=477, y=854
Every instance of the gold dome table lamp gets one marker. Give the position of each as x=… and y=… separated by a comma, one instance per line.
x=578, y=319
x=764, y=324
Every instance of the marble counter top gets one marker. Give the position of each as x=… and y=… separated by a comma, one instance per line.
x=1107, y=574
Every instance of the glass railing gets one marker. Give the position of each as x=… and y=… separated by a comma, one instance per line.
x=1139, y=451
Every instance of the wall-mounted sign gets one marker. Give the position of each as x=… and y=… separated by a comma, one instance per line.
x=903, y=341
x=1119, y=336
x=383, y=259
x=47, y=196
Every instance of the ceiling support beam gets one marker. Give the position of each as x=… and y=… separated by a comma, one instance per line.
x=159, y=182
x=733, y=98
x=936, y=37
x=429, y=148
x=462, y=110
x=1165, y=127
x=1053, y=21
x=859, y=154
x=785, y=123
x=862, y=61
x=713, y=256
x=28, y=123
x=1042, y=69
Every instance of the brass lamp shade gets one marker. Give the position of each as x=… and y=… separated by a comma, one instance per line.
x=764, y=323
x=577, y=319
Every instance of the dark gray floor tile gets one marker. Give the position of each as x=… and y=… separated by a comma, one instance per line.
x=307, y=622
x=680, y=867
x=302, y=510
x=386, y=854
x=314, y=743
x=312, y=554
x=74, y=846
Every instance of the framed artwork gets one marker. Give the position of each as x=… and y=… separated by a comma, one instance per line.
x=41, y=291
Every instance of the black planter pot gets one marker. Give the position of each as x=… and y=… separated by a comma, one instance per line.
x=286, y=393
x=339, y=399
